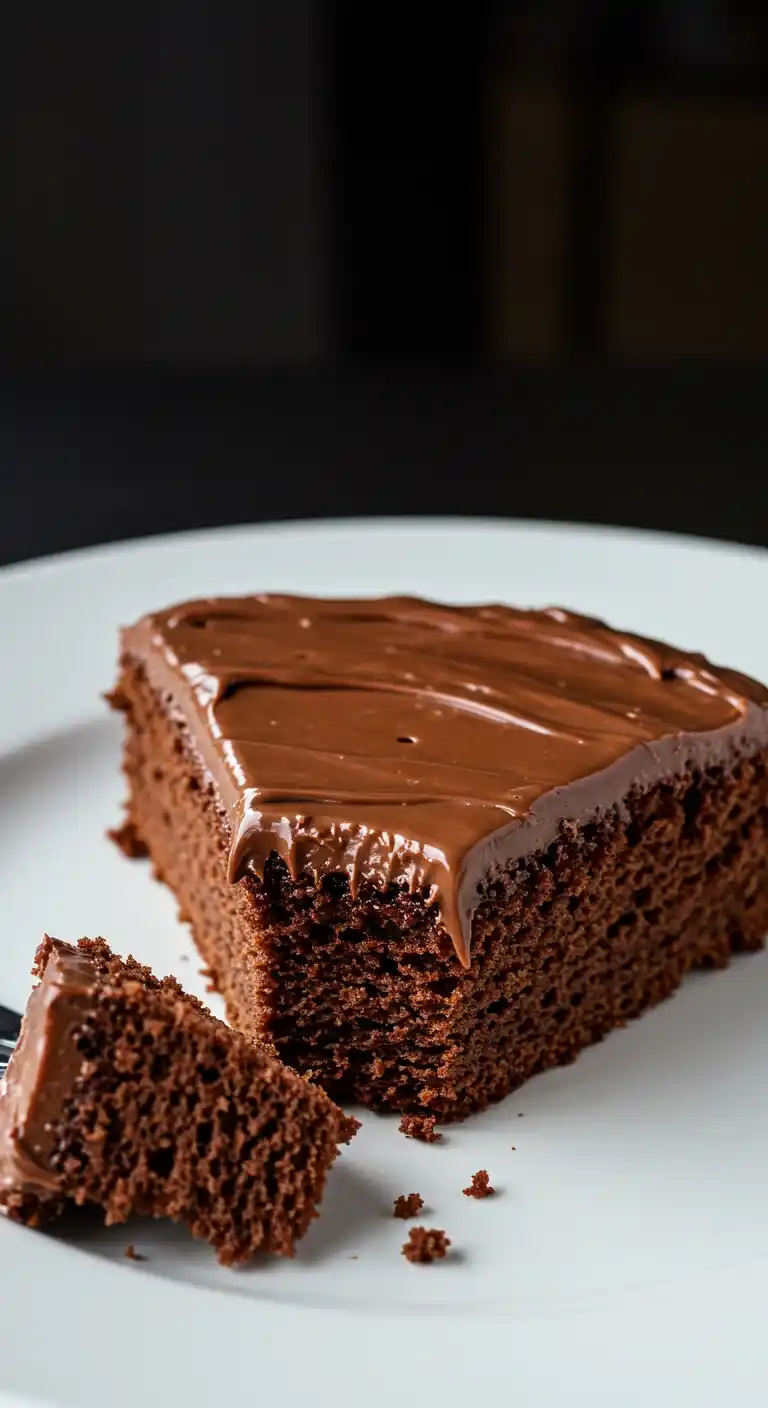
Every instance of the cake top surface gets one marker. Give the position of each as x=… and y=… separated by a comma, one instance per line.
x=398, y=740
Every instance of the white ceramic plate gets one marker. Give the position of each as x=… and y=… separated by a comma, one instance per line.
x=626, y=1254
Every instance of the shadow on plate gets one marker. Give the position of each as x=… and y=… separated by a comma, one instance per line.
x=350, y=1206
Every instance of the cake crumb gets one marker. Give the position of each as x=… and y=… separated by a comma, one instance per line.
x=425, y=1245
x=128, y=840
x=408, y=1204
x=513, y=1147
x=132, y=1253
x=420, y=1127
x=210, y=979
x=353, y=1258
x=480, y=1187
x=348, y=1127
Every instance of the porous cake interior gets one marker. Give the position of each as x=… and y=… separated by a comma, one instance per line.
x=366, y=994
x=176, y=1116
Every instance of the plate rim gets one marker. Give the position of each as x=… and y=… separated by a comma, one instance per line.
x=187, y=537
x=580, y=1330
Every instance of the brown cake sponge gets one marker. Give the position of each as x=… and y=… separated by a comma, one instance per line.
x=126, y=1093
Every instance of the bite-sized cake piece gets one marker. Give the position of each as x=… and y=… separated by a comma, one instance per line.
x=480, y=1186
x=426, y=1244
x=420, y=1127
x=126, y=1093
x=408, y=1205
x=427, y=851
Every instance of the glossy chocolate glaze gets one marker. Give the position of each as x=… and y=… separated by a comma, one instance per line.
x=397, y=740
x=42, y=1072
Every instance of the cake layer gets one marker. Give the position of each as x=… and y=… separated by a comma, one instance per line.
x=592, y=905
x=398, y=740
x=126, y=1093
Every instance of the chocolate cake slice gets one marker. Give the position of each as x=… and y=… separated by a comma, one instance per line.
x=126, y=1093
x=427, y=851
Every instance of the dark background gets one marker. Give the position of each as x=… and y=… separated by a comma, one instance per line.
x=289, y=259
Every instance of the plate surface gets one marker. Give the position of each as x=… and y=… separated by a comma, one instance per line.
x=626, y=1251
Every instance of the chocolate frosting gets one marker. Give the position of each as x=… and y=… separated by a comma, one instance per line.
x=397, y=740
x=42, y=1071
